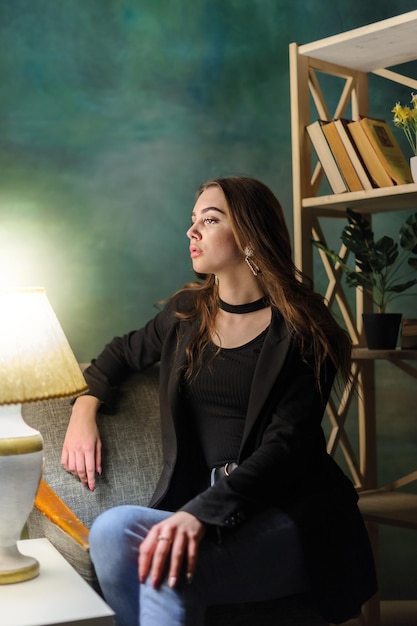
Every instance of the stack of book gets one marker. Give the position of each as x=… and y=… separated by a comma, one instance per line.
x=409, y=334
x=358, y=155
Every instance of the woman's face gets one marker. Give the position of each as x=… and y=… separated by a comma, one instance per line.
x=213, y=248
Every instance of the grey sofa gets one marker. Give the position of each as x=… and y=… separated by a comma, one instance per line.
x=131, y=466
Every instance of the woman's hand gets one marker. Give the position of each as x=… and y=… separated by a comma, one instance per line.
x=81, y=452
x=175, y=539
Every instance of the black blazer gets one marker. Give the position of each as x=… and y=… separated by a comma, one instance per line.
x=282, y=462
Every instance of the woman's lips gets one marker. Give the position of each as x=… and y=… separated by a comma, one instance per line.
x=195, y=252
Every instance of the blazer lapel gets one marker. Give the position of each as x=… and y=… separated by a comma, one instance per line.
x=173, y=376
x=270, y=363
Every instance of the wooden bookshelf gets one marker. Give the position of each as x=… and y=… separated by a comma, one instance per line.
x=349, y=58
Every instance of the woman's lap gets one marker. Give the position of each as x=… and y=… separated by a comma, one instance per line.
x=260, y=560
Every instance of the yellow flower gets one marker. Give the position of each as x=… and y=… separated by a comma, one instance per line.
x=406, y=118
x=400, y=114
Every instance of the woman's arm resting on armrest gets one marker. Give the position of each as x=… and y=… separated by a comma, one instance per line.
x=81, y=452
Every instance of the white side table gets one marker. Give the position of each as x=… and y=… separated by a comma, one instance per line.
x=57, y=596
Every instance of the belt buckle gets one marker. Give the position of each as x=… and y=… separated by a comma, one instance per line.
x=226, y=470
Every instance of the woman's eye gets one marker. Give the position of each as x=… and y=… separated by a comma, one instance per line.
x=210, y=220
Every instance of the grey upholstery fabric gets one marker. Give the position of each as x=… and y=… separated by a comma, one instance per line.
x=131, y=461
x=131, y=467
x=131, y=448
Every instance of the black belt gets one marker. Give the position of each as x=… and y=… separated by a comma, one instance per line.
x=222, y=471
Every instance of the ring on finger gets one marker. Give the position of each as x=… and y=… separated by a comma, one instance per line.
x=160, y=538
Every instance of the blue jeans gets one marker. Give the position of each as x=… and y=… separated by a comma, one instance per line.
x=261, y=560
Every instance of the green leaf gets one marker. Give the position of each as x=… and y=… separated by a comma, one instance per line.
x=385, y=253
x=408, y=234
x=403, y=287
x=360, y=279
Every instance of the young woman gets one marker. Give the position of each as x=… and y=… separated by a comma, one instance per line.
x=249, y=505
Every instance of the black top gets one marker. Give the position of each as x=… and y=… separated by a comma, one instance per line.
x=217, y=400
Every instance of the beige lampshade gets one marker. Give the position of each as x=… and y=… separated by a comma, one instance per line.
x=36, y=361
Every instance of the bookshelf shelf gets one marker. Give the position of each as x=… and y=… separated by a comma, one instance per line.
x=382, y=44
x=390, y=355
x=349, y=58
x=390, y=507
x=372, y=201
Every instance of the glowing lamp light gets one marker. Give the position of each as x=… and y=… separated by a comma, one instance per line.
x=36, y=363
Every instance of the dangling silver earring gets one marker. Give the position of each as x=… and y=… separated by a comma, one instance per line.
x=248, y=258
x=216, y=279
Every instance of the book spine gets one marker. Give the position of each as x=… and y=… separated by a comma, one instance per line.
x=341, y=126
x=342, y=158
x=371, y=160
x=326, y=158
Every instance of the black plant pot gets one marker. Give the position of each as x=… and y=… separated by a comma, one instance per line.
x=381, y=330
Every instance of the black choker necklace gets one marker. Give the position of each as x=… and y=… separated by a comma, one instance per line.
x=262, y=303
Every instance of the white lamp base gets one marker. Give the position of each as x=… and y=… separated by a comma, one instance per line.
x=16, y=567
x=21, y=461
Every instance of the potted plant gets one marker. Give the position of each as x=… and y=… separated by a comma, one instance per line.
x=377, y=269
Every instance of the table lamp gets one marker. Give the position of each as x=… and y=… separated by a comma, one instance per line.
x=36, y=363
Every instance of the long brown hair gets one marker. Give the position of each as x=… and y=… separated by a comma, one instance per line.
x=257, y=220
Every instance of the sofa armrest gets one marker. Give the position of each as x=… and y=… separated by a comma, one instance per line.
x=50, y=504
x=132, y=461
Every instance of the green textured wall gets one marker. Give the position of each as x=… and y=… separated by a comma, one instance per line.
x=111, y=114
